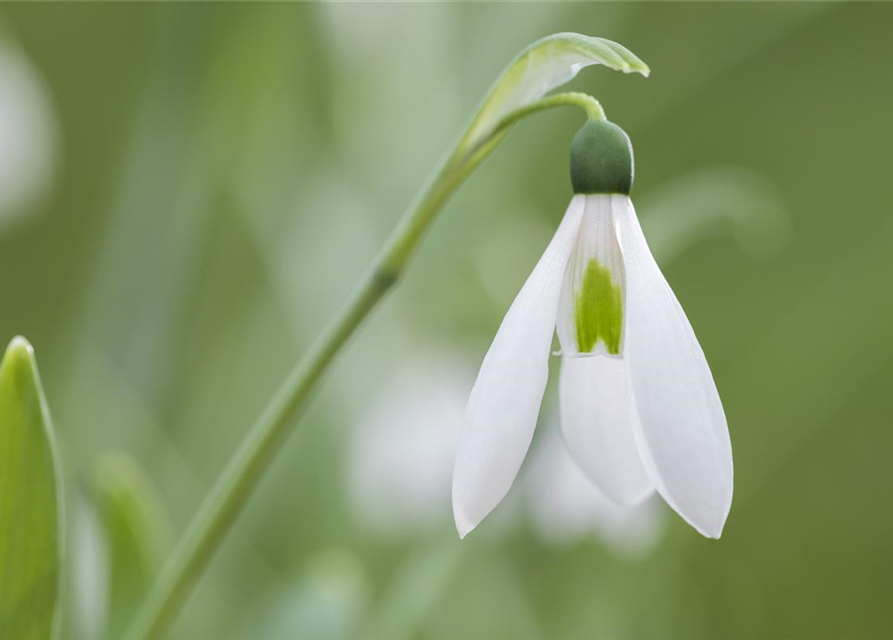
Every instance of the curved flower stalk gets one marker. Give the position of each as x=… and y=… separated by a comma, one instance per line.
x=543, y=66
x=639, y=408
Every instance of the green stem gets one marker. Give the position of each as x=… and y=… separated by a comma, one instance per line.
x=590, y=105
x=235, y=485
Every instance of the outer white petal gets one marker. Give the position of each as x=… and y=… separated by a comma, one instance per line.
x=683, y=436
x=505, y=401
x=597, y=417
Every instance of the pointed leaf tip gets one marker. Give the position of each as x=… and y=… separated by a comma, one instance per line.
x=19, y=357
x=30, y=522
x=20, y=345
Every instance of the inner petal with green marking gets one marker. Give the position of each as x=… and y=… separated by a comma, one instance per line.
x=590, y=315
x=598, y=310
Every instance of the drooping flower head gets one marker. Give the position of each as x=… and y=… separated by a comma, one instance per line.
x=639, y=409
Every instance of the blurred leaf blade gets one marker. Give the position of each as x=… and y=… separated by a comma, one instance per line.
x=135, y=526
x=30, y=503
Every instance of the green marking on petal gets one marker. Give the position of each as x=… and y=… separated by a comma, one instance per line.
x=598, y=310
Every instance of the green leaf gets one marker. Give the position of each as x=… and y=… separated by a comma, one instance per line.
x=136, y=533
x=30, y=503
x=543, y=66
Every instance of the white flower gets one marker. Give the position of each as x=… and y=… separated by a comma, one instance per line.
x=639, y=408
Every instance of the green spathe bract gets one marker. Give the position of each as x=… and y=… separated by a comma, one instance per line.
x=601, y=159
x=543, y=66
x=30, y=520
x=598, y=310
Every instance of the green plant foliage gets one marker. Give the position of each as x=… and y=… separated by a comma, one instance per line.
x=229, y=169
x=136, y=531
x=546, y=64
x=30, y=522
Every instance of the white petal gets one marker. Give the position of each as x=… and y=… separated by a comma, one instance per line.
x=597, y=417
x=683, y=436
x=505, y=401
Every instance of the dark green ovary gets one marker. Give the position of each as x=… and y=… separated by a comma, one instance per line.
x=598, y=310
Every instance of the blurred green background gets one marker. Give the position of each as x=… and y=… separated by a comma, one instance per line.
x=198, y=188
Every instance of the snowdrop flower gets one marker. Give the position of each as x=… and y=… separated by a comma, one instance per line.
x=639, y=408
